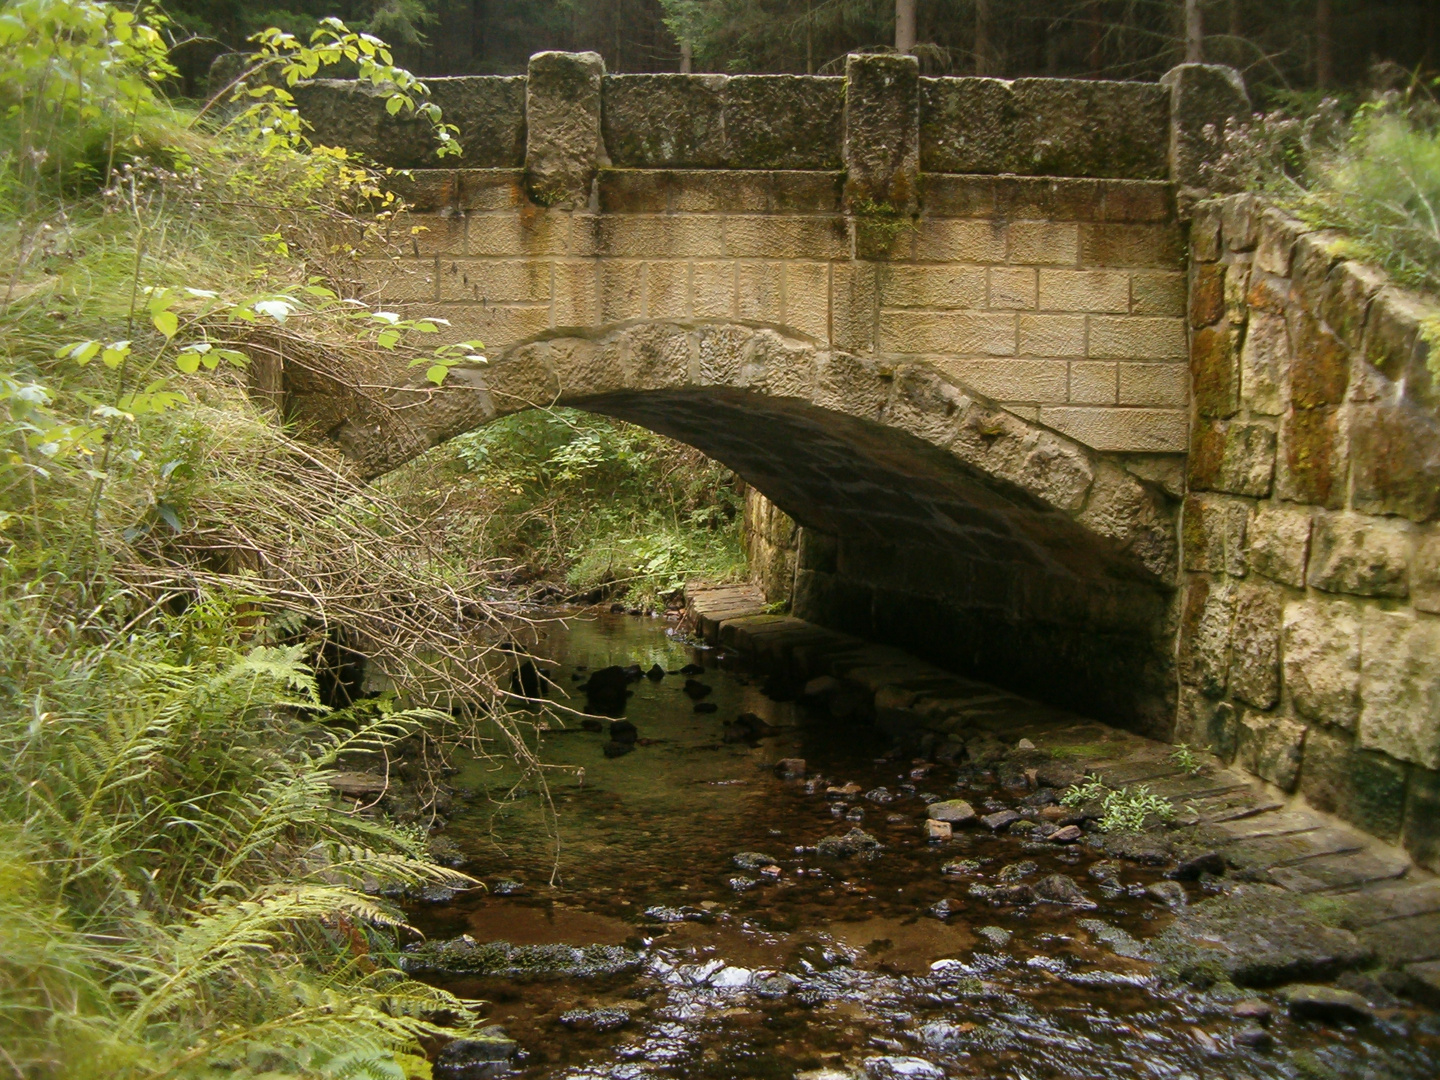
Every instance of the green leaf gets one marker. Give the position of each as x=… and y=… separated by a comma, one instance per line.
x=394, y=104
x=167, y=322
x=115, y=354
x=188, y=362
x=388, y=339
x=81, y=352
x=436, y=373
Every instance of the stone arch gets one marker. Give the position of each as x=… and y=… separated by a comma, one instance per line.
x=962, y=530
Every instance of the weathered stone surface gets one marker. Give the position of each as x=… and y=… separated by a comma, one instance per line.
x=1425, y=572
x=1327, y=1003
x=1207, y=292
x=1058, y=127
x=1214, y=374
x=1264, y=360
x=952, y=811
x=1208, y=724
x=1278, y=234
x=489, y=110
x=1311, y=466
x=1279, y=543
x=1213, y=534
x=1360, y=555
x=1206, y=618
x=784, y=122
x=1396, y=345
x=882, y=132
x=1346, y=301
x=1395, y=452
x=564, y=142
x=1365, y=788
x=1202, y=98
x=1234, y=457
x=1322, y=661
x=1255, y=644
x=1422, y=818
x=1321, y=371
x=1240, y=221
x=1400, y=686
x=1271, y=747
x=1257, y=935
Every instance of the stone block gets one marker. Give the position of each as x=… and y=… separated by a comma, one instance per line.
x=1043, y=243
x=1278, y=234
x=1425, y=572
x=564, y=144
x=530, y=235
x=1214, y=376
x=1213, y=534
x=784, y=122
x=1157, y=292
x=854, y=299
x=1099, y=291
x=1311, y=467
x=665, y=121
x=758, y=291
x=783, y=237
x=1265, y=292
x=938, y=287
x=1136, y=431
x=1203, y=98
x=1012, y=288
x=1395, y=345
x=1320, y=371
x=1047, y=127
x=721, y=350
x=807, y=298
x=1093, y=383
x=1395, y=460
x=960, y=241
x=1360, y=555
x=1279, y=543
x=1264, y=361
x=1155, y=385
x=1362, y=787
x=1205, y=621
x=1400, y=686
x=971, y=333
x=1138, y=247
x=1205, y=231
x=661, y=236
x=577, y=298
x=667, y=290
x=495, y=281
x=1322, y=661
x=882, y=132
x=622, y=290
x=714, y=292
x=1051, y=335
x=1207, y=724
x=1013, y=380
x=1271, y=747
x=1233, y=457
x=1421, y=834
x=1240, y=222
x=1255, y=644
x=1349, y=288
x=1207, y=294
x=1135, y=337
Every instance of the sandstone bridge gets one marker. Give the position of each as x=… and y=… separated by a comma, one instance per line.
x=1043, y=412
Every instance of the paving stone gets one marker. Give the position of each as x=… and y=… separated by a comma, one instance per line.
x=1272, y=851
x=1281, y=823
x=1400, y=941
x=1338, y=873
x=1397, y=902
x=1424, y=982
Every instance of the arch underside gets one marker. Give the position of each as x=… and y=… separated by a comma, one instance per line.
x=933, y=519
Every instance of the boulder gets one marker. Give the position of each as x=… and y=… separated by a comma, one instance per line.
x=1062, y=889
x=955, y=811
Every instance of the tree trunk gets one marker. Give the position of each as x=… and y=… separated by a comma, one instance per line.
x=687, y=57
x=984, y=62
x=1194, y=33
x=1324, y=46
x=809, y=43
x=905, y=26
x=1235, y=28
x=1096, y=59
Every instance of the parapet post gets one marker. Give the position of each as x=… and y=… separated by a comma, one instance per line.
x=882, y=134
x=1203, y=99
x=564, y=147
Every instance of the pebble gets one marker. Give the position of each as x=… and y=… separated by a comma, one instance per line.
x=854, y=842
x=996, y=935
x=752, y=860
x=955, y=811
x=1008, y=875
x=1253, y=1009
x=1062, y=889
x=937, y=831
x=1002, y=819
x=790, y=768
x=880, y=796
x=1308, y=1002
x=1254, y=1036
x=1169, y=893
x=1070, y=834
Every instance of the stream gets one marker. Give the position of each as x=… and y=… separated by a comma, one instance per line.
x=908, y=961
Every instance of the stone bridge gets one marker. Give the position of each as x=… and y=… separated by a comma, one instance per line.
x=1038, y=417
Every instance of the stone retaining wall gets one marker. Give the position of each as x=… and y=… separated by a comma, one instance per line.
x=1309, y=646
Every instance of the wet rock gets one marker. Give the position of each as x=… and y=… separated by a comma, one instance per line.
x=854, y=842
x=1003, y=894
x=1256, y=935
x=613, y=749
x=1254, y=1036
x=464, y=956
x=1136, y=847
x=747, y=727
x=850, y=788
x=820, y=686
x=595, y=1019
x=938, y=831
x=663, y=914
x=772, y=984
x=1117, y=940
x=445, y=851
x=696, y=689
x=855, y=813
x=955, y=811
x=1252, y=1009
x=1041, y=798
x=752, y=860
x=961, y=866
x=1014, y=872
x=704, y=707
x=1025, y=744
x=902, y=1068
x=1328, y=1004
x=1191, y=869
x=1000, y=820
x=743, y=884
x=623, y=731
x=1069, y=834
x=1169, y=893
x=655, y=674
x=607, y=691
x=943, y=909
x=633, y=672
x=790, y=768
x=880, y=796
x=691, y=669
x=487, y=1055
x=996, y=935
x=1062, y=889
x=508, y=887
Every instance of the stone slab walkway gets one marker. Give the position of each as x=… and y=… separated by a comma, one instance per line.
x=1393, y=906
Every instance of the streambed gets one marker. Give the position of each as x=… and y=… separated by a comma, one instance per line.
x=739, y=950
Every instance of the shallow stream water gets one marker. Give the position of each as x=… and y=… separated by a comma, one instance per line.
x=834, y=964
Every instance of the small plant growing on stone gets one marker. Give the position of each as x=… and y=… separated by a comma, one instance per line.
x=1185, y=759
x=1126, y=810
x=1080, y=794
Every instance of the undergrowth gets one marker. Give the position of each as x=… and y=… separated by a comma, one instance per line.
x=583, y=506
